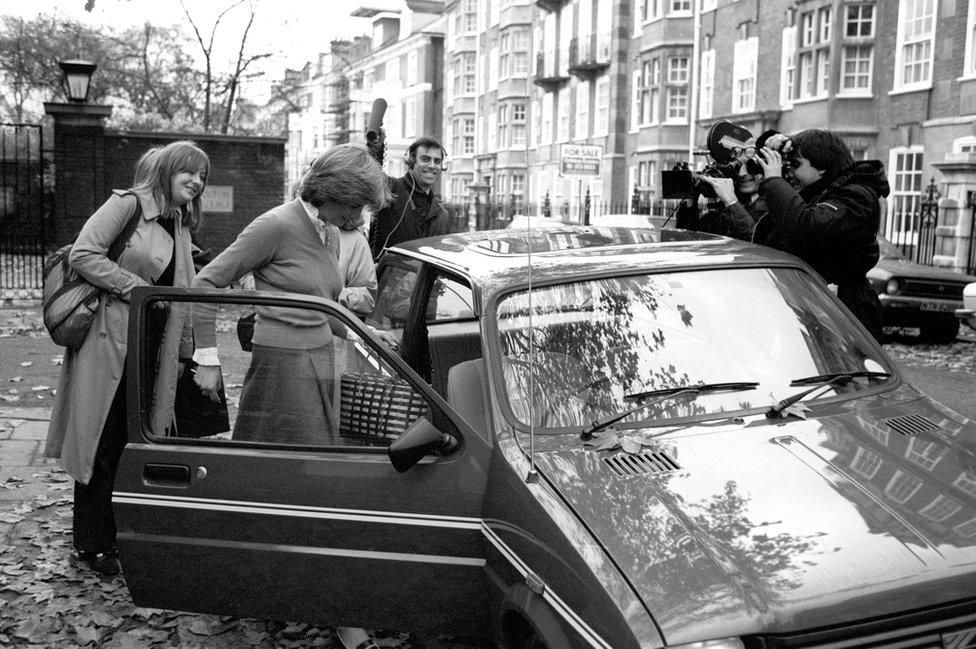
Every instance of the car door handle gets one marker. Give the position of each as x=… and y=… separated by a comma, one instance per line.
x=169, y=473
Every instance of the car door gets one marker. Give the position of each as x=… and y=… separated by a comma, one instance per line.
x=320, y=531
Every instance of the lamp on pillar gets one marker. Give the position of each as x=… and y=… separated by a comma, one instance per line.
x=77, y=78
x=79, y=152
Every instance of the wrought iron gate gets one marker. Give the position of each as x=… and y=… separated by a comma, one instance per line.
x=913, y=222
x=24, y=207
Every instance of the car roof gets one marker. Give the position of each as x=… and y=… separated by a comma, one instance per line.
x=493, y=260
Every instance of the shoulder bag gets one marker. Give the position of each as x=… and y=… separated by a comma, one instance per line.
x=69, y=300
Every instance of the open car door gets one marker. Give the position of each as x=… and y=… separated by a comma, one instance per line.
x=242, y=517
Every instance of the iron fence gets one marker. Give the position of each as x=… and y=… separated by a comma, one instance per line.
x=25, y=208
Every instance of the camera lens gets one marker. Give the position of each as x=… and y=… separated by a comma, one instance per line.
x=753, y=167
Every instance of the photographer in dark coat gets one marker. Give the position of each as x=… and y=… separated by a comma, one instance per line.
x=832, y=221
x=415, y=212
x=741, y=206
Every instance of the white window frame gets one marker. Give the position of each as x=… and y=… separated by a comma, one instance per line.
x=548, y=114
x=680, y=8
x=941, y=508
x=902, y=486
x=902, y=42
x=865, y=463
x=969, y=60
x=601, y=120
x=745, y=59
x=581, y=129
x=706, y=87
x=412, y=65
x=787, y=87
x=845, y=74
x=563, y=116
x=672, y=94
x=410, y=117
x=635, y=100
x=860, y=19
x=906, y=189
x=965, y=144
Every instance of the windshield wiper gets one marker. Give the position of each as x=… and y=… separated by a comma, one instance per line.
x=819, y=382
x=663, y=394
x=820, y=378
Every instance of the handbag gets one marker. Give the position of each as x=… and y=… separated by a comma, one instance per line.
x=195, y=414
x=245, y=328
x=376, y=409
x=69, y=300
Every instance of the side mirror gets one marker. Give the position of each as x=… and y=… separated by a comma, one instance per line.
x=417, y=442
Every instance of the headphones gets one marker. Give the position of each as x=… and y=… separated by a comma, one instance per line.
x=410, y=155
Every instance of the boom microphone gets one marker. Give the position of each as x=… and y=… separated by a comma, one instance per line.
x=375, y=120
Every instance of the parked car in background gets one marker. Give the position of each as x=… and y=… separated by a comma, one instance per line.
x=918, y=296
x=650, y=439
x=967, y=314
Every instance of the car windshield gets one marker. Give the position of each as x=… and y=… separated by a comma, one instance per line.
x=595, y=344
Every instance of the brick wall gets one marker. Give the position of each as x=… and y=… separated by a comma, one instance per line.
x=253, y=167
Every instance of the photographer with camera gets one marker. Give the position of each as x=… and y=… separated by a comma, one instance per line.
x=831, y=219
x=741, y=207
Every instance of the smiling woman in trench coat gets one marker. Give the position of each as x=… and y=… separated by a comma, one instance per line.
x=87, y=430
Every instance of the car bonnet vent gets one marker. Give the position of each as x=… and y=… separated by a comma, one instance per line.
x=910, y=424
x=636, y=464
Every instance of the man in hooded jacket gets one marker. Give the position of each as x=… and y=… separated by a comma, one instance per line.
x=832, y=220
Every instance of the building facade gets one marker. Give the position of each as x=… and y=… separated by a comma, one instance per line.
x=516, y=88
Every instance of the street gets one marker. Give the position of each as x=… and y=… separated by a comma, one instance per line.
x=50, y=601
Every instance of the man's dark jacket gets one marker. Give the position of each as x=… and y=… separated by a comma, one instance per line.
x=412, y=214
x=832, y=225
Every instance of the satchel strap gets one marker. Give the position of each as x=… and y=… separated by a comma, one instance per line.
x=115, y=250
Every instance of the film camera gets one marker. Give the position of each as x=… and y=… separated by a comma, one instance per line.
x=725, y=143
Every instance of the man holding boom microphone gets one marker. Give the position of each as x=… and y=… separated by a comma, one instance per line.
x=415, y=212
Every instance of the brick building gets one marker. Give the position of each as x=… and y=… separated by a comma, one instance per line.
x=510, y=83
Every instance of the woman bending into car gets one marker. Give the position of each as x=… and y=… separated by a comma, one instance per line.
x=287, y=394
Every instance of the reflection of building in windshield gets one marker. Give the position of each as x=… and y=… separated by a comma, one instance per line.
x=908, y=465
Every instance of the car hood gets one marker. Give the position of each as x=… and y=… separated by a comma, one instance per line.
x=775, y=526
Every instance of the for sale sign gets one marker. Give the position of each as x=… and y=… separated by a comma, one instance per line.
x=581, y=160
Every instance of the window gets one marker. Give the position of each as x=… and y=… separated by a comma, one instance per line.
x=902, y=486
x=744, y=59
x=814, y=53
x=647, y=92
x=859, y=21
x=393, y=71
x=967, y=529
x=967, y=482
x=866, y=463
x=536, y=123
x=493, y=68
x=513, y=59
x=681, y=6
x=562, y=126
x=707, y=86
x=410, y=117
x=787, y=91
x=466, y=20
x=969, y=60
x=966, y=144
x=905, y=177
x=678, y=68
x=856, y=63
x=463, y=129
x=464, y=74
x=412, y=70
x=601, y=123
x=925, y=454
x=677, y=104
x=547, y=115
x=648, y=10
x=511, y=125
x=914, y=44
x=940, y=509
x=582, y=110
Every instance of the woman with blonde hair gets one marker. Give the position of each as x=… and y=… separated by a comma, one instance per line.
x=289, y=386
x=88, y=430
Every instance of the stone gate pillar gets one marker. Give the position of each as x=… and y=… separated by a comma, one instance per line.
x=79, y=156
x=955, y=211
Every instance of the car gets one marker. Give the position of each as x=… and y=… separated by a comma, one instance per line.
x=917, y=296
x=967, y=314
x=583, y=437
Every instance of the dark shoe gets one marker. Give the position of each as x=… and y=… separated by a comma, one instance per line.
x=104, y=563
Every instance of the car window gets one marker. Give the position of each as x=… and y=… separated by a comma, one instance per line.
x=304, y=383
x=449, y=300
x=572, y=353
x=394, y=290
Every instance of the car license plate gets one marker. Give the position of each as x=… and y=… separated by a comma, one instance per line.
x=938, y=306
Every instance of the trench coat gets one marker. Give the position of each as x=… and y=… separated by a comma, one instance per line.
x=91, y=372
